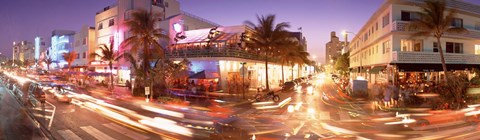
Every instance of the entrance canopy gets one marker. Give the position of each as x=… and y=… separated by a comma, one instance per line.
x=411, y=67
x=376, y=69
x=205, y=75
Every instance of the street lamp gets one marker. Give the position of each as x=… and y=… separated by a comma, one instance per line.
x=242, y=70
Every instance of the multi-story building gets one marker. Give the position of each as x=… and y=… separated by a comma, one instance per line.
x=23, y=51
x=84, y=45
x=62, y=42
x=333, y=49
x=39, y=47
x=110, y=28
x=220, y=59
x=384, y=50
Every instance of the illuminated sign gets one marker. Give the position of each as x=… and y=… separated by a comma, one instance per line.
x=177, y=27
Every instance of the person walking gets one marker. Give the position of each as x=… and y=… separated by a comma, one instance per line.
x=387, y=94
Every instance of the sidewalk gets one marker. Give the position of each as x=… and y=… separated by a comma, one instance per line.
x=226, y=99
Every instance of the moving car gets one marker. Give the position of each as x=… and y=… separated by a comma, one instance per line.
x=61, y=94
x=305, y=88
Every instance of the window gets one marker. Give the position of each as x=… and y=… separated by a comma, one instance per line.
x=477, y=49
x=435, y=47
x=376, y=26
x=78, y=55
x=84, y=55
x=452, y=47
x=377, y=49
x=477, y=26
x=410, y=16
x=409, y=45
x=386, y=47
x=100, y=26
x=386, y=20
x=166, y=4
x=457, y=22
x=111, y=22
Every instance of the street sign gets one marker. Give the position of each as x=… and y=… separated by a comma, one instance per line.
x=147, y=90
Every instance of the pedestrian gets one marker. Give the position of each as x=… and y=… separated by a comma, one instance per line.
x=128, y=84
x=387, y=94
x=396, y=94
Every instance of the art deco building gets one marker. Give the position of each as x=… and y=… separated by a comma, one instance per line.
x=84, y=45
x=109, y=26
x=384, y=49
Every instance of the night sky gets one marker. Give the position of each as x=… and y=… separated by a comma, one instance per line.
x=25, y=19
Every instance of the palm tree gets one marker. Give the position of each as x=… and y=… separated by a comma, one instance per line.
x=48, y=61
x=107, y=54
x=290, y=49
x=434, y=21
x=70, y=57
x=267, y=37
x=145, y=38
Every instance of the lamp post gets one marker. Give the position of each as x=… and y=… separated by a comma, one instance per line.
x=242, y=70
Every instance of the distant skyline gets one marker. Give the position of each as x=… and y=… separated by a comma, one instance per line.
x=26, y=19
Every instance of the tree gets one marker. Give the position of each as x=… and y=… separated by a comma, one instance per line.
x=145, y=38
x=267, y=37
x=70, y=57
x=48, y=61
x=107, y=54
x=292, y=53
x=434, y=21
x=342, y=63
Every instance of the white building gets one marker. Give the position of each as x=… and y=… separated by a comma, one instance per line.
x=84, y=45
x=384, y=50
x=222, y=59
x=109, y=26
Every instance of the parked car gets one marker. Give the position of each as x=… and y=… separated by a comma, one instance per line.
x=287, y=86
x=36, y=94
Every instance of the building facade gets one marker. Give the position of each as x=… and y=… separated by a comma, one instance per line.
x=40, y=45
x=384, y=50
x=61, y=42
x=225, y=61
x=23, y=51
x=110, y=28
x=333, y=49
x=84, y=45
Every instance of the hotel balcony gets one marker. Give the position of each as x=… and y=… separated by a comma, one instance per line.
x=234, y=52
x=401, y=26
x=433, y=58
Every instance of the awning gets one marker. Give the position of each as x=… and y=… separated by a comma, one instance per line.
x=205, y=75
x=412, y=67
x=376, y=69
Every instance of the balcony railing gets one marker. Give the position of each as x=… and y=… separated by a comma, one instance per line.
x=214, y=52
x=399, y=25
x=434, y=57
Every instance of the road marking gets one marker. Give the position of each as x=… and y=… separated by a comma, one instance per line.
x=126, y=132
x=42, y=116
x=68, y=135
x=96, y=133
x=53, y=115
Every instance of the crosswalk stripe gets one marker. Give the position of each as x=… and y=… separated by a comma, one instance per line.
x=126, y=132
x=68, y=135
x=96, y=133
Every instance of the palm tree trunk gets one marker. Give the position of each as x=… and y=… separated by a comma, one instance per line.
x=111, y=75
x=266, y=71
x=283, y=76
x=292, y=72
x=444, y=66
